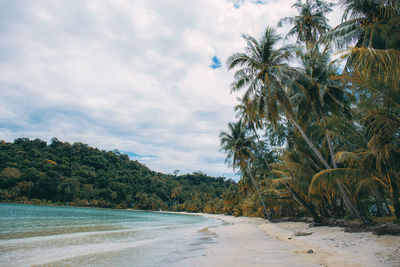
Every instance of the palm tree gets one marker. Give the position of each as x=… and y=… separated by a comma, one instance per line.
x=326, y=97
x=265, y=73
x=371, y=146
x=372, y=68
x=382, y=124
x=246, y=111
x=294, y=172
x=238, y=148
x=311, y=22
x=357, y=16
x=316, y=93
x=372, y=25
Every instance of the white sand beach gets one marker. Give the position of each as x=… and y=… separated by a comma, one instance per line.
x=243, y=241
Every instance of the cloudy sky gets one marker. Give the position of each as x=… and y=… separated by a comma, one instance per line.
x=145, y=77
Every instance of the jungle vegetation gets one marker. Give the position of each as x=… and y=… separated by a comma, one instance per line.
x=32, y=171
x=318, y=123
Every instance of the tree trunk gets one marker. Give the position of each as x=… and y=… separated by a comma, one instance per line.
x=327, y=208
x=328, y=138
x=266, y=214
x=341, y=210
x=331, y=150
x=308, y=206
x=290, y=211
x=387, y=210
x=354, y=211
x=308, y=141
x=395, y=198
x=380, y=212
x=259, y=146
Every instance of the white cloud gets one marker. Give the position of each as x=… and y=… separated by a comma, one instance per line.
x=132, y=75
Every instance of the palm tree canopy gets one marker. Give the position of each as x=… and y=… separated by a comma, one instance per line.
x=368, y=23
x=311, y=22
x=236, y=144
x=260, y=69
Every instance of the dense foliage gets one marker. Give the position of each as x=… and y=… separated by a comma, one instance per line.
x=32, y=171
x=316, y=136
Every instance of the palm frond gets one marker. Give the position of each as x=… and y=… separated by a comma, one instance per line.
x=348, y=158
x=371, y=63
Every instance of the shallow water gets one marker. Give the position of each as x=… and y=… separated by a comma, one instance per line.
x=69, y=236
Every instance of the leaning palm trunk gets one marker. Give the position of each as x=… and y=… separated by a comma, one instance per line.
x=354, y=211
x=266, y=214
x=259, y=145
x=380, y=212
x=331, y=150
x=308, y=141
x=308, y=206
x=395, y=197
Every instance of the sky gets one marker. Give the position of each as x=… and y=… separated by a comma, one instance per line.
x=145, y=77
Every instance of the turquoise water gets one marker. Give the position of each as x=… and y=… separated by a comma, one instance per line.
x=68, y=236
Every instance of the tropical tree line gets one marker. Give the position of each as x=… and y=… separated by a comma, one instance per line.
x=32, y=171
x=318, y=124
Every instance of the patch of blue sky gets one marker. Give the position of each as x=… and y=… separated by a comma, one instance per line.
x=238, y=3
x=234, y=176
x=43, y=116
x=11, y=126
x=38, y=117
x=211, y=160
x=205, y=115
x=259, y=2
x=228, y=175
x=216, y=63
x=135, y=156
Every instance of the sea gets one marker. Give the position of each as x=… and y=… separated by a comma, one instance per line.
x=33, y=235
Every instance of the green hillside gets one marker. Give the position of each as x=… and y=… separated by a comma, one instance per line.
x=32, y=171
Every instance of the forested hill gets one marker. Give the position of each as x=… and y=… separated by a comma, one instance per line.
x=33, y=171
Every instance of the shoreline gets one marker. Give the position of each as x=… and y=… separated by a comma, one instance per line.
x=379, y=227
x=248, y=241
x=245, y=241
